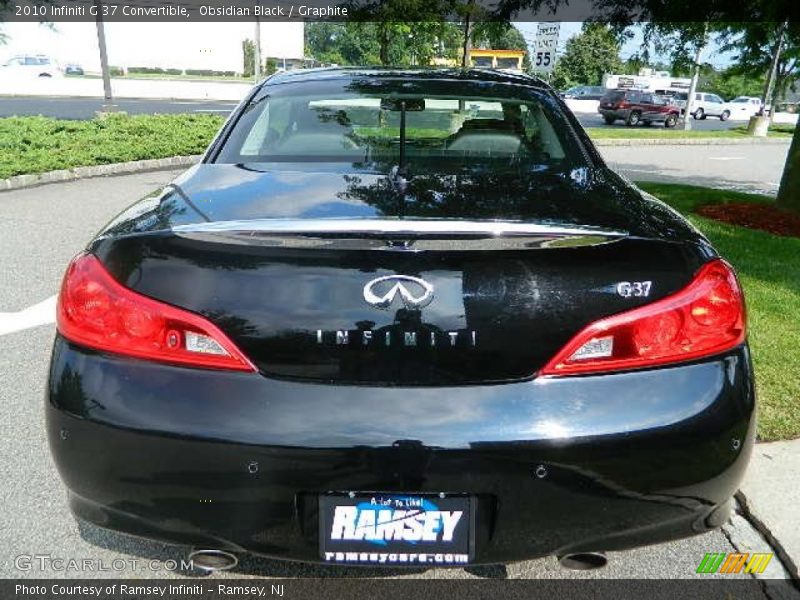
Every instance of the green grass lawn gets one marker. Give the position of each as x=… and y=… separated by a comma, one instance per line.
x=39, y=144
x=769, y=269
x=658, y=132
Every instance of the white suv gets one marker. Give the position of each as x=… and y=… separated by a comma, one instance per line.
x=709, y=105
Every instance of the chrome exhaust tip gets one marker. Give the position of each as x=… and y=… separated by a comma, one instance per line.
x=583, y=561
x=209, y=561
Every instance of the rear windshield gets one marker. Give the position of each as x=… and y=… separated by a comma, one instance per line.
x=614, y=96
x=359, y=123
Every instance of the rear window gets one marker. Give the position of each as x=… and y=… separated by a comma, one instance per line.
x=360, y=123
x=614, y=96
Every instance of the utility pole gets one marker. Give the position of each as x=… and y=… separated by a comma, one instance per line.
x=108, y=106
x=257, y=52
x=701, y=44
x=769, y=87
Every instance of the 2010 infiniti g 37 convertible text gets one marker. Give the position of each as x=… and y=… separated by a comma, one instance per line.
x=401, y=317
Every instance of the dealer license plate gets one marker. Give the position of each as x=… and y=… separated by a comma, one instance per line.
x=396, y=529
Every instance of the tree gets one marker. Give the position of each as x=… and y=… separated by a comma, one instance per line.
x=248, y=58
x=269, y=66
x=755, y=44
x=351, y=43
x=405, y=30
x=588, y=56
x=789, y=192
x=730, y=83
x=370, y=43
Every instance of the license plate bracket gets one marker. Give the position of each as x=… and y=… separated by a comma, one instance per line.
x=398, y=529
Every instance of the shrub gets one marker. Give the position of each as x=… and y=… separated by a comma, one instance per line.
x=39, y=144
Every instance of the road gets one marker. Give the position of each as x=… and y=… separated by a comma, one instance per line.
x=40, y=230
x=744, y=167
x=85, y=108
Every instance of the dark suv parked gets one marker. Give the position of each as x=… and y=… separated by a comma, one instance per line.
x=636, y=107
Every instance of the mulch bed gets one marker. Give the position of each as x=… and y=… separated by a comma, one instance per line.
x=765, y=217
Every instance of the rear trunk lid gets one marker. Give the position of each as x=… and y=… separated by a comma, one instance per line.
x=342, y=278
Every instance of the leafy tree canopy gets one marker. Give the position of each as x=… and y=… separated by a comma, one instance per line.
x=402, y=43
x=588, y=56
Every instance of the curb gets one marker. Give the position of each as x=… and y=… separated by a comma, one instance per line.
x=137, y=166
x=698, y=141
x=759, y=525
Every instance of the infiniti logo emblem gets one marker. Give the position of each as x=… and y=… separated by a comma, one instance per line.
x=413, y=291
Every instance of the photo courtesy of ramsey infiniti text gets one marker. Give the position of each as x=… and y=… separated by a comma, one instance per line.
x=401, y=317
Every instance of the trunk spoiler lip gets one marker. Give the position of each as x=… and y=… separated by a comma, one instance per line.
x=399, y=228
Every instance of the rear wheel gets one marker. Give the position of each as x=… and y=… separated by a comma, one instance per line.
x=726, y=114
x=671, y=120
x=699, y=114
x=634, y=118
x=609, y=120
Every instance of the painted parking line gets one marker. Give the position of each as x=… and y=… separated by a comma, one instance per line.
x=726, y=158
x=42, y=313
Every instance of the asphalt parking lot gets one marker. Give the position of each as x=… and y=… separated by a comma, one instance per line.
x=42, y=228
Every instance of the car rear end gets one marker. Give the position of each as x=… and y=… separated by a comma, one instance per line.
x=422, y=363
x=614, y=105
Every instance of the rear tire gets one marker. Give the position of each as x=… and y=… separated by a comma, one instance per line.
x=726, y=114
x=633, y=119
x=609, y=120
x=699, y=114
x=671, y=120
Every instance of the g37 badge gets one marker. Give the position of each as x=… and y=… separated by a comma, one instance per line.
x=634, y=289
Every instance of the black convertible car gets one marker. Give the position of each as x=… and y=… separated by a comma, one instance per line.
x=401, y=318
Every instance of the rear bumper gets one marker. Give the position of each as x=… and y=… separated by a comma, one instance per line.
x=236, y=461
x=614, y=113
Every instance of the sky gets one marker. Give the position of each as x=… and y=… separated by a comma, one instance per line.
x=215, y=46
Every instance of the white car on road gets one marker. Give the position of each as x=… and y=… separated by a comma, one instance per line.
x=710, y=105
x=30, y=65
x=744, y=107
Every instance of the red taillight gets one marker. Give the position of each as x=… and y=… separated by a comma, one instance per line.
x=96, y=311
x=704, y=318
